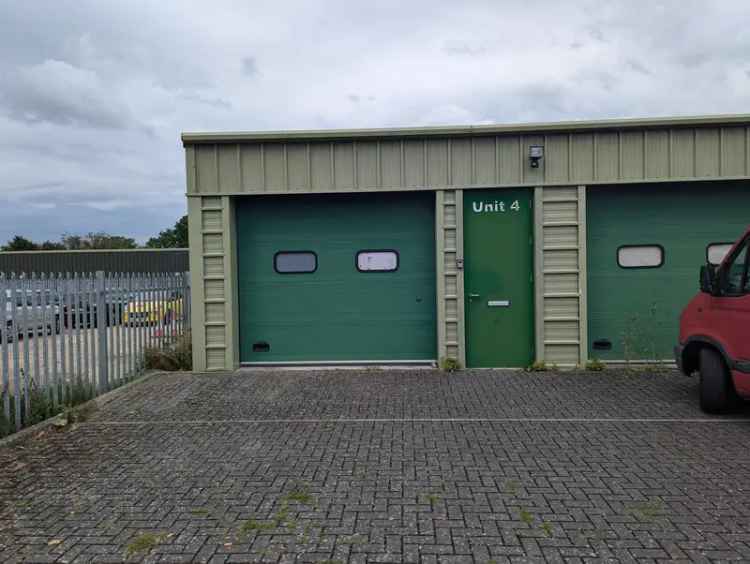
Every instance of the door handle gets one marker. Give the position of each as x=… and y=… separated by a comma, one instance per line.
x=472, y=296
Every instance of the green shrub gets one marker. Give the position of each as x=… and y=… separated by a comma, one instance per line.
x=540, y=366
x=595, y=365
x=449, y=364
x=171, y=357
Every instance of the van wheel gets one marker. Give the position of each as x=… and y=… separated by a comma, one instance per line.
x=716, y=389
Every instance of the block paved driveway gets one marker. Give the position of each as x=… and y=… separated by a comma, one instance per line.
x=386, y=466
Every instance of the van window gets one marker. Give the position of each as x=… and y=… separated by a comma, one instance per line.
x=640, y=256
x=716, y=252
x=736, y=276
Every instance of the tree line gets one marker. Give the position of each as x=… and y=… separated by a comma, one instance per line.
x=174, y=237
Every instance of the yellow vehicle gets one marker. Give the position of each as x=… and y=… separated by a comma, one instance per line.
x=145, y=311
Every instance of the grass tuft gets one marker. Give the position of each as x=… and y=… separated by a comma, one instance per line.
x=144, y=543
x=526, y=516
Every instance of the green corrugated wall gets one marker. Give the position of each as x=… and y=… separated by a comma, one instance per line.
x=638, y=310
x=337, y=313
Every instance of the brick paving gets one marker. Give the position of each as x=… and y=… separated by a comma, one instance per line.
x=389, y=467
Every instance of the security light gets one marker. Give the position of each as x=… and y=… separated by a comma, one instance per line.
x=536, y=152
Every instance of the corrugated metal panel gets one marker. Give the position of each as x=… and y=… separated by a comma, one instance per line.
x=214, y=289
x=563, y=211
x=214, y=313
x=390, y=163
x=215, y=358
x=366, y=165
x=485, y=160
x=125, y=261
x=555, y=235
x=559, y=259
x=211, y=238
x=213, y=243
x=211, y=220
x=560, y=283
x=213, y=266
x=560, y=330
x=229, y=168
x=633, y=155
x=215, y=335
x=561, y=354
x=450, y=289
x=297, y=169
x=733, y=149
x=560, y=307
x=657, y=155
x=586, y=157
x=251, y=160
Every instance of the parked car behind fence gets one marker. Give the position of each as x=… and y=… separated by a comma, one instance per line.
x=70, y=337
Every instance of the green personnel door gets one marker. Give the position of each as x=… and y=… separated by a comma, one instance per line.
x=337, y=278
x=499, y=282
x=646, y=244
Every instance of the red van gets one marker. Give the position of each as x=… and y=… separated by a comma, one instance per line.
x=715, y=330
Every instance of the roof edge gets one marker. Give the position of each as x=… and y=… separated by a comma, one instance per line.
x=195, y=138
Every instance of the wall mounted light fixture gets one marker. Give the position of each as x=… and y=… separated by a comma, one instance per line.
x=536, y=153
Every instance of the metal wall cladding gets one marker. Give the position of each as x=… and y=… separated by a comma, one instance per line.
x=560, y=218
x=580, y=157
x=211, y=243
x=637, y=310
x=115, y=260
x=449, y=242
x=336, y=312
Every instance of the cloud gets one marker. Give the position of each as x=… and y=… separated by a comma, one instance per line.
x=464, y=48
x=91, y=111
x=249, y=66
x=57, y=92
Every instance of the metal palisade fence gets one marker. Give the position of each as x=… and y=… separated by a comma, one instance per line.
x=67, y=338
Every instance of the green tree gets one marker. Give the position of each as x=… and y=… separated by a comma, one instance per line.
x=99, y=240
x=176, y=237
x=51, y=246
x=19, y=243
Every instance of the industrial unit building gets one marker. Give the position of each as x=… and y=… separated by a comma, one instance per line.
x=90, y=260
x=492, y=245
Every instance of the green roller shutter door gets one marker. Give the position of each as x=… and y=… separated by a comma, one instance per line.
x=636, y=310
x=337, y=313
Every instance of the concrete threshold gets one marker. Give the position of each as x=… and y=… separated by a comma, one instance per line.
x=323, y=366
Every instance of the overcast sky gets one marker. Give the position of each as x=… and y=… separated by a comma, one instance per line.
x=94, y=94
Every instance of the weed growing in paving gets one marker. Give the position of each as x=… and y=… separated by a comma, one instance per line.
x=647, y=511
x=253, y=525
x=300, y=495
x=171, y=357
x=511, y=487
x=144, y=543
x=595, y=365
x=40, y=406
x=432, y=499
x=526, y=516
x=540, y=366
x=449, y=364
x=547, y=528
